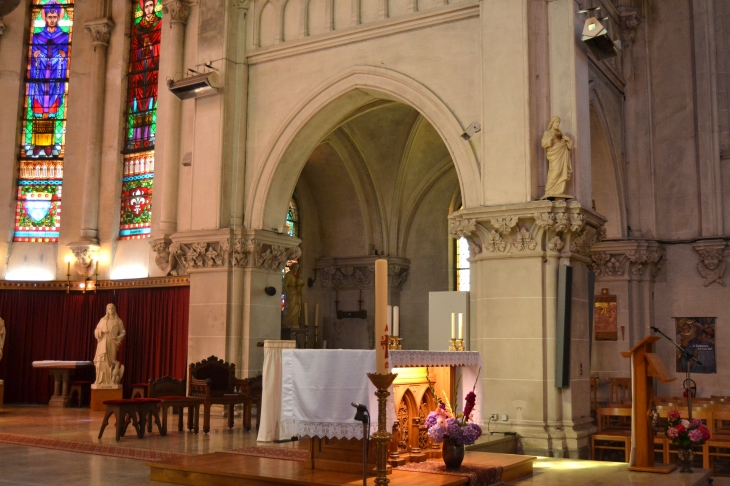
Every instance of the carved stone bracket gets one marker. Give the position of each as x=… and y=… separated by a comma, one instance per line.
x=629, y=21
x=100, y=30
x=711, y=266
x=530, y=228
x=165, y=261
x=359, y=272
x=628, y=259
x=223, y=249
x=86, y=254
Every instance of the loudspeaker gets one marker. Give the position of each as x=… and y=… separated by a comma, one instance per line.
x=562, y=327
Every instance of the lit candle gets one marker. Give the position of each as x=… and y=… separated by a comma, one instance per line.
x=453, y=325
x=306, y=317
x=316, y=315
x=96, y=268
x=68, y=268
x=461, y=325
x=396, y=321
x=381, y=316
x=389, y=321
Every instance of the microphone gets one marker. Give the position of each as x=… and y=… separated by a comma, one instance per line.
x=356, y=405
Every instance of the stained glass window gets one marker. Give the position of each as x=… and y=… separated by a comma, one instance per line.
x=292, y=218
x=462, y=265
x=43, y=121
x=141, y=120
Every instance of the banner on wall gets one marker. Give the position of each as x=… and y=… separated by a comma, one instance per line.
x=697, y=335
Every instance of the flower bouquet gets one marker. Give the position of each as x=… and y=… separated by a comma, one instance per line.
x=455, y=430
x=685, y=434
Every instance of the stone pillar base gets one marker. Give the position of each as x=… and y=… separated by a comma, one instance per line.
x=554, y=440
x=100, y=395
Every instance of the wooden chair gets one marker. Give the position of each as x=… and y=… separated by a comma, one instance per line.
x=172, y=393
x=139, y=390
x=253, y=389
x=620, y=391
x=214, y=382
x=594, y=395
x=134, y=410
x=611, y=435
x=719, y=443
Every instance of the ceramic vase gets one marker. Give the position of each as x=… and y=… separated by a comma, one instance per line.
x=684, y=459
x=453, y=453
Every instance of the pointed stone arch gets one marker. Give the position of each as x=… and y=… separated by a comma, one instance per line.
x=322, y=111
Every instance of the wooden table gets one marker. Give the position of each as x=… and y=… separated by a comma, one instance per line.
x=229, y=401
x=62, y=371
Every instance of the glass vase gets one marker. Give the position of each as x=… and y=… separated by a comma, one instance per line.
x=684, y=459
x=453, y=453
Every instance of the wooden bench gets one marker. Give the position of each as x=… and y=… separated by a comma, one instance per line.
x=134, y=410
x=610, y=433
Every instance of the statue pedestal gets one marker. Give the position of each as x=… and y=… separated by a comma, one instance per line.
x=102, y=393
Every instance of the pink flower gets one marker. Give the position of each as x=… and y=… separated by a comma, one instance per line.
x=696, y=435
x=680, y=429
x=705, y=432
x=694, y=423
x=672, y=433
x=685, y=422
x=673, y=415
x=471, y=400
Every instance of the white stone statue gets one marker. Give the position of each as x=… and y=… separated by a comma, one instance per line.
x=558, y=150
x=109, y=334
x=2, y=337
x=293, y=285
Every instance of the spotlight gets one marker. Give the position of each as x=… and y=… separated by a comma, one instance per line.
x=471, y=130
x=596, y=38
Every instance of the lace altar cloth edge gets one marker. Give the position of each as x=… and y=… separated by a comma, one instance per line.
x=410, y=358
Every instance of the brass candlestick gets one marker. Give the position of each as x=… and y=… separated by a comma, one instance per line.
x=394, y=343
x=453, y=345
x=460, y=345
x=382, y=437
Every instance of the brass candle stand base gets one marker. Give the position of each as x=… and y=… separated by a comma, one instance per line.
x=457, y=345
x=394, y=343
x=382, y=437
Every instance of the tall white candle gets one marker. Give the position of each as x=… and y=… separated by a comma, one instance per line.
x=396, y=321
x=453, y=325
x=390, y=321
x=461, y=325
x=316, y=315
x=381, y=316
x=306, y=316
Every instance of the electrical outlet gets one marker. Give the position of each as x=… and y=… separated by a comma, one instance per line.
x=493, y=417
x=504, y=418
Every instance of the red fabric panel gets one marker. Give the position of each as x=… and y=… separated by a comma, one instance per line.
x=54, y=325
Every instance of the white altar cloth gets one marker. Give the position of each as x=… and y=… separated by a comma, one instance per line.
x=270, y=413
x=319, y=385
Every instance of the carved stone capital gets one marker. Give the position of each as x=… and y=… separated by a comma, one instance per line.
x=711, y=266
x=628, y=259
x=86, y=255
x=178, y=11
x=359, y=272
x=165, y=261
x=629, y=21
x=558, y=228
x=100, y=30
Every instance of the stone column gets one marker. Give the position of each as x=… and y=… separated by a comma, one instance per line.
x=229, y=311
x=516, y=252
x=628, y=269
x=167, y=144
x=100, y=30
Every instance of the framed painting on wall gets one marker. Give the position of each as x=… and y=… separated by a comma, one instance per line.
x=697, y=336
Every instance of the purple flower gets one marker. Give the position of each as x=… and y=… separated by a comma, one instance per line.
x=453, y=430
x=471, y=433
x=696, y=436
x=672, y=433
x=436, y=434
x=695, y=423
x=430, y=420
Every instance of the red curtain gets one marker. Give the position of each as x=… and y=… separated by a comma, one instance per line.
x=58, y=326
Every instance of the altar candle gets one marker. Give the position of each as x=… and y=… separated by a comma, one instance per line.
x=316, y=315
x=461, y=325
x=306, y=317
x=389, y=321
x=453, y=325
x=396, y=321
x=381, y=316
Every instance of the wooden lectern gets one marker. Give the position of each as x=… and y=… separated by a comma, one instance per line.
x=645, y=365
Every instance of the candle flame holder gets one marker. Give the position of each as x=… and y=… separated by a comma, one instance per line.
x=382, y=437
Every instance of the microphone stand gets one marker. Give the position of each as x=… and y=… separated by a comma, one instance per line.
x=362, y=415
x=688, y=382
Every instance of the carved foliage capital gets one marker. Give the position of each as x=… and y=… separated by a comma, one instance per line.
x=100, y=30
x=631, y=259
x=354, y=275
x=240, y=252
x=164, y=259
x=178, y=10
x=629, y=21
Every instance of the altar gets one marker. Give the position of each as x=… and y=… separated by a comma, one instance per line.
x=62, y=371
x=318, y=387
